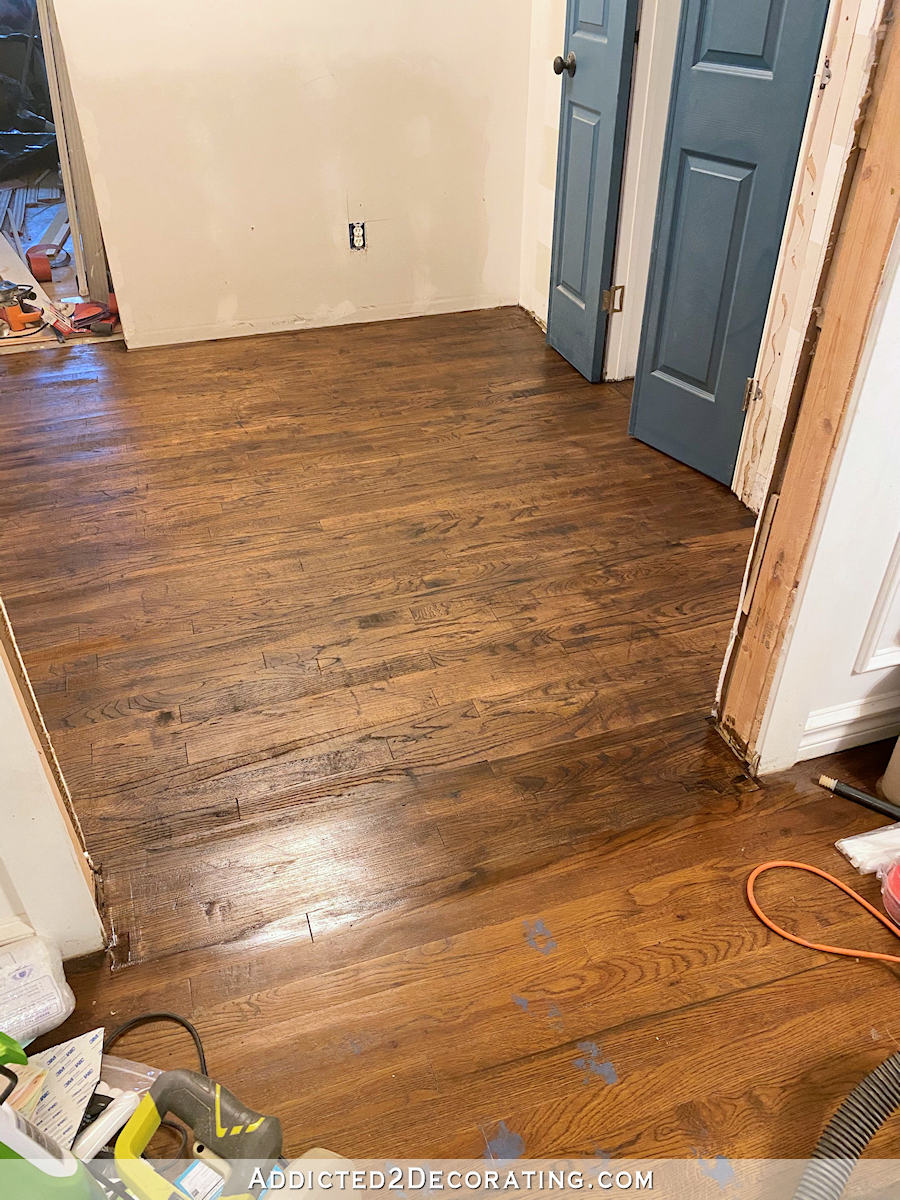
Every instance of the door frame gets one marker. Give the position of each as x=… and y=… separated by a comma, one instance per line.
x=854, y=29
x=853, y=32
x=622, y=115
x=654, y=63
x=787, y=534
x=89, y=254
x=48, y=883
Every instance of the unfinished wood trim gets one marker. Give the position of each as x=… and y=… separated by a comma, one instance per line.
x=91, y=269
x=861, y=253
x=839, y=93
x=11, y=660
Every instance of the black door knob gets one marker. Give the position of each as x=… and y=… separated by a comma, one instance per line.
x=561, y=64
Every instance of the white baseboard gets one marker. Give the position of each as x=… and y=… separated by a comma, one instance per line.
x=13, y=930
x=326, y=319
x=845, y=725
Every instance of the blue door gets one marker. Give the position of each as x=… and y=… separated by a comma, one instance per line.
x=595, y=72
x=744, y=71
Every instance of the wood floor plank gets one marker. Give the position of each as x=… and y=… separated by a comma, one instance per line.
x=381, y=682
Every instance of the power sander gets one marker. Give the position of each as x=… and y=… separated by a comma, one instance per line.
x=14, y=307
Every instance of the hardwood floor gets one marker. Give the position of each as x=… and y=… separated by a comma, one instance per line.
x=378, y=661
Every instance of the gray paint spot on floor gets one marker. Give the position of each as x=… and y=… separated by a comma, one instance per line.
x=539, y=937
x=505, y=1144
x=521, y=1001
x=592, y=1064
x=718, y=1168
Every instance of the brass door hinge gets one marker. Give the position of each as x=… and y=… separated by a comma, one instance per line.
x=752, y=393
x=614, y=298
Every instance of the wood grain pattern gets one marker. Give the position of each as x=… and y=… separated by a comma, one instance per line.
x=378, y=662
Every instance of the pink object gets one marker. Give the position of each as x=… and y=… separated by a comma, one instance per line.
x=890, y=892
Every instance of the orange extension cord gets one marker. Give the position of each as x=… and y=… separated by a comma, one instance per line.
x=797, y=866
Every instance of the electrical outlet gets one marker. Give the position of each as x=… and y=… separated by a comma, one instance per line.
x=357, y=235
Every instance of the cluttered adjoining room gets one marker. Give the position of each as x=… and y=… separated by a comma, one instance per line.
x=449, y=598
x=55, y=287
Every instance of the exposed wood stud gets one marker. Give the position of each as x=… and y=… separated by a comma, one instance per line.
x=849, y=50
x=863, y=245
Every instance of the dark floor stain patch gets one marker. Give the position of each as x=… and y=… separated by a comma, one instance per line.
x=521, y=1002
x=592, y=1064
x=504, y=1144
x=718, y=1168
x=539, y=937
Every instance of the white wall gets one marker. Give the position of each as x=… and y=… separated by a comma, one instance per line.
x=43, y=878
x=838, y=681
x=230, y=144
x=548, y=34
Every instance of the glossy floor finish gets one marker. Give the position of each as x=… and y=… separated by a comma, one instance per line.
x=378, y=660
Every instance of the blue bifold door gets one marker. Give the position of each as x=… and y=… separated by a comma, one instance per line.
x=743, y=77
x=595, y=75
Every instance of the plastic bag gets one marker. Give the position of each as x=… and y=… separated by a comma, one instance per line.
x=874, y=852
x=34, y=995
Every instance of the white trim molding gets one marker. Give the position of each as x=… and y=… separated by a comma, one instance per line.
x=881, y=642
x=845, y=725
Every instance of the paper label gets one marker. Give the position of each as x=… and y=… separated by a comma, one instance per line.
x=201, y=1181
x=74, y=1072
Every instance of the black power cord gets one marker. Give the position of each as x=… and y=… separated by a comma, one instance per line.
x=152, y=1018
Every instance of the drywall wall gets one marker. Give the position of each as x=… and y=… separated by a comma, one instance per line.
x=548, y=33
x=838, y=682
x=231, y=144
x=44, y=881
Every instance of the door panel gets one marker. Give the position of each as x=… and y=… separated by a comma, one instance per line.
x=743, y=77
x=591, y=149
x=581, y=164
x=707, y=233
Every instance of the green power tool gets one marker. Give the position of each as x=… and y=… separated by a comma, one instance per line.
x=31, y=1166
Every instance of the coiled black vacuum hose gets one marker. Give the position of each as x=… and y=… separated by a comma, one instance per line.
x=849, y=1132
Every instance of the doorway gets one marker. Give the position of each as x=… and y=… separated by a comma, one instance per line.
x=56, y=287
x=739, y=73
x=596, y=78
x=738, y=107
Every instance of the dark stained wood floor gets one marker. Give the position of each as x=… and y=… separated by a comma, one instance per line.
x=378, y=661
